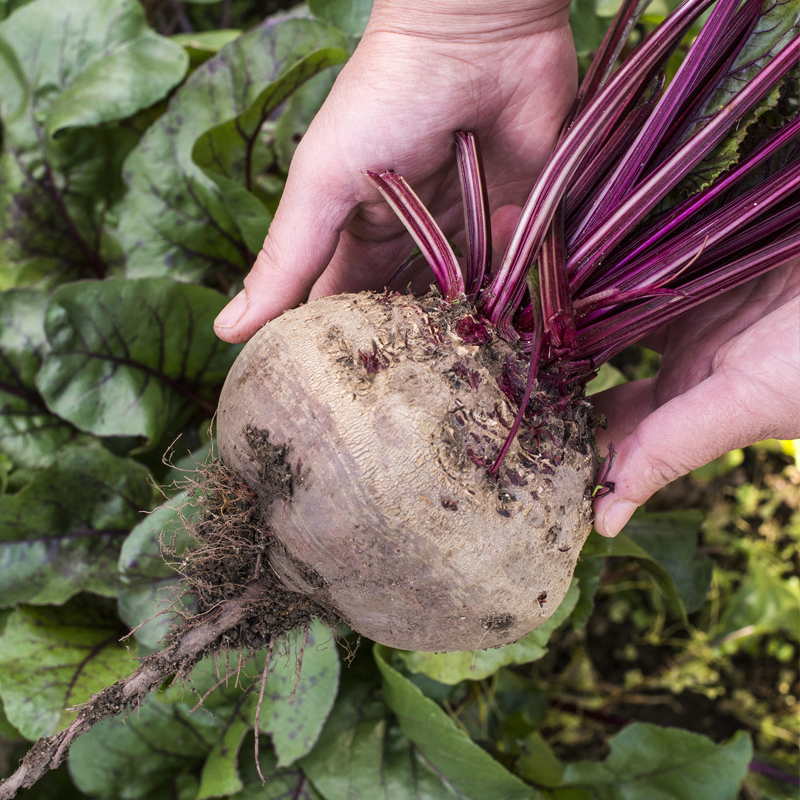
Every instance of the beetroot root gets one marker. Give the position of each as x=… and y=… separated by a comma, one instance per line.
x=373, y=420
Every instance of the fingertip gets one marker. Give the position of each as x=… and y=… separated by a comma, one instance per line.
x=227, y=324
x=614, y=517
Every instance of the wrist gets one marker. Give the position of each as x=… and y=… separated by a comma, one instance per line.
x=468, y=20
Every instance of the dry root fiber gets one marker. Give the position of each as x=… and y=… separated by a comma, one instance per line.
x=239, y=603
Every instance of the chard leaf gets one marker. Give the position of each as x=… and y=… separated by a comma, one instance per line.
x=148, y=584
x=129, y=357
x=452, y=668
x=296, y=706
x=349, y=16
x=651, y=763
x=175, y=219
x=29, y=434
x=587, y=572
x=77, y=653
x=454, y=757
x=135, y=75
x=232, y=154
x=61, y=534
x=202, y=45
x=220, y=776
x=363, y=753
x=774, y=29
x=665, y=544
x=767, y=600
x=138, y=754
x=281, y=784
x=670, y=538
x=57, y=195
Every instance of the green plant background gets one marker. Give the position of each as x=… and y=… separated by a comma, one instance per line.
x=144, y=149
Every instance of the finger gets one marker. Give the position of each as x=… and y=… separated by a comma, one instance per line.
x=724, y=412
x=301, y=240
x=375, y=243
x=623, y=407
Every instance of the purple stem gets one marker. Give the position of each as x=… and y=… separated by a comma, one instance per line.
x=557, y=311
x=662, y=264
x=601, y=341
x=734, y=38
x=603, y=62
x=666, y=224
x=585, y=259
x=610, y=152
x=773, y=772
x=501, y=298
x=424, y=230
x=476, y=211
x=637, y=156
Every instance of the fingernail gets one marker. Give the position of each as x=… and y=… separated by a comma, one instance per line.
x=232, y=312
x=617, y=515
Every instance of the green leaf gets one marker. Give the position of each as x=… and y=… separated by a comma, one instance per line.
x=281, y=784
x=588, y=29
x=349, y=16
x=56, y=196
x=148, y=584
x=774, y=29
x=670, y=538
x=139, y=73
x=475, y=665
x=454, y=757
x=607, y=377
x=587, y=572
x=29, y=434
x=220, y=776
x=296, y=706
x=537, y=762
x=6, y=728
x=767, y=600
x=202, y=45
x=666, y=546
x=363, y=754
x=61, y=534
x=76, y=652
x=229, y=153
x=129, y=356
x=651, y=763
x=175, y=220
x=139, y=753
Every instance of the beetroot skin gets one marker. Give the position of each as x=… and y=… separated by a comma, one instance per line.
x=387, y=412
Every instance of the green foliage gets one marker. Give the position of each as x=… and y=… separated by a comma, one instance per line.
x=58, y=194
x=128, y=356
x=654, y=763
x=61, y=533
x=771, y=33
x=76, y=652
x=140, y=171
x=175, y=220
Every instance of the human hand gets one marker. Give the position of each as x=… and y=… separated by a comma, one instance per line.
x=506, y=72
x=729, y=377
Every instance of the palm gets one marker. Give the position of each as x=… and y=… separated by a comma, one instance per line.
x=513, y=97
x=727, y=379
x=395, y=106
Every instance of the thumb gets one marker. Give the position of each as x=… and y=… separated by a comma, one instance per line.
x=726, y=411
x=302, y=238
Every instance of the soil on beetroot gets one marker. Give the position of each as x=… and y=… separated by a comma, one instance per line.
x=231, y=540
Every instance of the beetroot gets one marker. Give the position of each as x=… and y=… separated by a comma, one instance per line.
x=390, y=421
